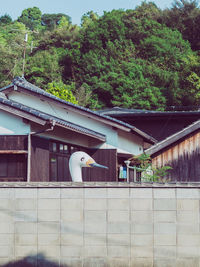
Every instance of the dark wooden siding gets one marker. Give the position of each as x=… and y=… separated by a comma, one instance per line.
x=183, y=157
x=39, y=159
x=13, y=142
x=106, y=157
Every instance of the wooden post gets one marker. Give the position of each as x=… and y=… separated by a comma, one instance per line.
x=29, y=159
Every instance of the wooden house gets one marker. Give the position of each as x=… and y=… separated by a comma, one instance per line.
x=158, y=124
x=39, y=132
x=181, y=151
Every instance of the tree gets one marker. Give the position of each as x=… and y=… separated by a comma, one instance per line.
x=31, y=17
x=50, y=21
x=62, y=91
x=5, y=19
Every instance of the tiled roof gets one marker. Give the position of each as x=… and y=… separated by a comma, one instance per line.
x=23, y=83
x=49, y=118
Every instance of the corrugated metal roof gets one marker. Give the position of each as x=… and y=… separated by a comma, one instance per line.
x=49, y=118
x=23, y=83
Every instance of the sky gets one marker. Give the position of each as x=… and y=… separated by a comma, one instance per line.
x=73, y=8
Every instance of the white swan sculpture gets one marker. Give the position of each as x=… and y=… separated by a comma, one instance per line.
x=78, y=160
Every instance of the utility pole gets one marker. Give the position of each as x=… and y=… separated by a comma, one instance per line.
x=24, y=56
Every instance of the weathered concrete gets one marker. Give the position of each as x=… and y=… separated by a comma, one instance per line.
x=104, y=224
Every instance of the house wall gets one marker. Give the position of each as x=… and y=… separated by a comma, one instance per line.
x=112, y=137
x=13, y=125
x=88, y=225
x=183, y=157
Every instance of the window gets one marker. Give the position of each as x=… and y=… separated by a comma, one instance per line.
x=13, y=167
x=59, y=161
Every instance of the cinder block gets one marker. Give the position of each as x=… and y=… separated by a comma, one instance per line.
x=95, y=251
x=118, y=204
x=25, y=216
x=142, y=216
x=141, y=252
x=71, y=204
x=72, y=262
x=6, y=228
x=164, y=262
x=25, y=228
x=48, y=204
x=141, y=204
x=142, y=240
x=6, y=239
x=118, y=262
x=142, y=228
x=48, y=227
x=191, y=193
x=165, y=228
x=144, y=262
x=188, y=240
x=95, y=192
x=118, y=192
x=71, y=251
x=95, y=239
x=49, y=215
x=26, y=204
x=72, y=215
x=118, y=228
x=187, y=228
x=94, y=262
x=93, y=216
x=95, y=228
x=6, y=251
x=49, y=239
x=49, y=251
x=187, y=204
x=6, y=216
x=72, y=239
x=165, y=216
x=5, y=261
x=24, y=251
x=26, y=240
x=7, y=193
x=7, y=204
x=72, y=227
x=165, y=240
x=184, y=262
x=118, y=216
x=49, y=193
x=95, y=204
x=191, y=217
x=72, y=193
x=141, y=193
x=118, y=239
x=164, y=193
x=25, y=193
x=165, y=252
x=165, y=204
x=188, y=252
x=118, y=251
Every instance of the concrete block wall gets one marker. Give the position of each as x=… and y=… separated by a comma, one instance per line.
x=100, y=225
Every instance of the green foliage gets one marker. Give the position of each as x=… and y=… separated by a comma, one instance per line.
x=5, y=19
x=62, y=91
x=31, y=17
x=50, y=21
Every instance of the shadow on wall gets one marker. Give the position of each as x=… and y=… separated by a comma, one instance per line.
x=38, y=260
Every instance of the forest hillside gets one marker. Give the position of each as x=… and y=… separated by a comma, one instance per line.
x=144, y=58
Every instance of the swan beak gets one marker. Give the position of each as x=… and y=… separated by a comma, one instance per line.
x=92, y=163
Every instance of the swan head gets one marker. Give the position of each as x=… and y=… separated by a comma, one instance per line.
x=82, y=159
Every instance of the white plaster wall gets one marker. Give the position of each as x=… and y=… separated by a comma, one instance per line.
x=11, y=124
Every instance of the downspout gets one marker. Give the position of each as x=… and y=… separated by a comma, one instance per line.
x=52, y=124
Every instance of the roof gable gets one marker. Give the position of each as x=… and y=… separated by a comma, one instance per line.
x=173, y=138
